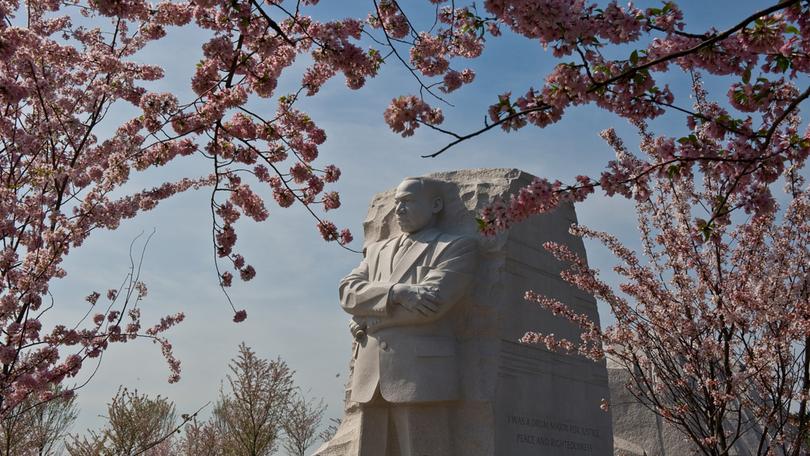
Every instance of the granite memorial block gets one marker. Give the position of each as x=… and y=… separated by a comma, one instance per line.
x=436, y=314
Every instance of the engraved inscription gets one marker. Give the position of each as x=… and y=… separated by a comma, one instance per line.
x=554, y=443
x=574, y=437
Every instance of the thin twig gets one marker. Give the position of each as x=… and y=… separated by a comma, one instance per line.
x=402, y=60
x=186, y=419
x=273, y=24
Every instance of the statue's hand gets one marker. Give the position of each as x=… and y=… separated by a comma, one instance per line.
x=409, y=298
x=358, y=330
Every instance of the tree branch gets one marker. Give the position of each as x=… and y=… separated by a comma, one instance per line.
x=627, y=73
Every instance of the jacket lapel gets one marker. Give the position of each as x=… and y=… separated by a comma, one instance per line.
x=407, y=261
x=384, y=259
x=372, y=255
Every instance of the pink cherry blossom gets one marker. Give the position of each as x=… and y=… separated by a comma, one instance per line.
x=331, y=200
x=345, y=236
x=328, y=230
x=240, y=316
x=404, y=115
x=331, y=173
x=711, y=303
x=77, y=175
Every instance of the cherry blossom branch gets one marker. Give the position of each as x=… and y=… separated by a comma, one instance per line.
x=621, y=76
x=706, y=43
x=410, y=69
x=272, y=24
x=789, y=110
x=293, y=192
x=294, y=17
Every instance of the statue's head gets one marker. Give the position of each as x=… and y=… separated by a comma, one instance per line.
x=417, y=203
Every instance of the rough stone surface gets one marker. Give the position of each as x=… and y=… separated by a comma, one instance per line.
x=517, y=400
x=637, y=431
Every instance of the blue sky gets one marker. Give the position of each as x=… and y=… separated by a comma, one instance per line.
x=292, y=303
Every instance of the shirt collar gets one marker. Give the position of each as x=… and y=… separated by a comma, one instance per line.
x=424, y=236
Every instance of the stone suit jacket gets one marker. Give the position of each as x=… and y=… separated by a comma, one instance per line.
x=411, y=357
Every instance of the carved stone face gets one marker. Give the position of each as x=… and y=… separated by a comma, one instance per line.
x=415, y=207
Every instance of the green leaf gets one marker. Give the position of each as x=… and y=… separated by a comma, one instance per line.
x=634, y=58
x=707, y=233
x=791, y=29
x=720, y=204
x=673, y=171
x=482, y=224
x=705, y=229
x=782, y=63
x=746, y=77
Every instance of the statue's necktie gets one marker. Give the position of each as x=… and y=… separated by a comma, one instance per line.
x=404, y=245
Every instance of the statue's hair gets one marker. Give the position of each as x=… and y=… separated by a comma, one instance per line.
x=432, y=186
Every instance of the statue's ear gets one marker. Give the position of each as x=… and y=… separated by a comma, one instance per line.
x=438, y=205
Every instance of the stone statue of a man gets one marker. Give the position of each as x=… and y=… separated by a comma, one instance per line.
x=404, y=298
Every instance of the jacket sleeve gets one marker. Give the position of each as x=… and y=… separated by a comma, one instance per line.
x=361, y=297
x=444, y=283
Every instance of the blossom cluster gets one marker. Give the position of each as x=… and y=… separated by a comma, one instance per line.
x=406, y=113
x=64, y=178
x=616, y=57
x=716, y=318
x=714, y=326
